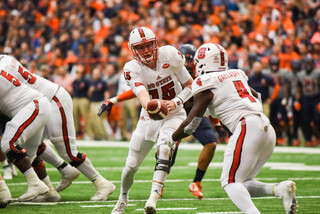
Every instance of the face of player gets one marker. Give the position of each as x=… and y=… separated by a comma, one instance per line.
x=145, y=50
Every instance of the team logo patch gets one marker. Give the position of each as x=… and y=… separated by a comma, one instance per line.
x=166, y=65
x=136, y=84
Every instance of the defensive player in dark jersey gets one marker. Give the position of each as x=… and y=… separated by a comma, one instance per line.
x=309, y=81
x=204, y=133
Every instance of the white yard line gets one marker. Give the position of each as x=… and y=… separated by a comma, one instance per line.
x=171, y=208
x=191, y=146
x=178, y=180
x=143, y=200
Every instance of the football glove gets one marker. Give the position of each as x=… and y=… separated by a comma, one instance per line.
x=106, y=106
x=221, y=132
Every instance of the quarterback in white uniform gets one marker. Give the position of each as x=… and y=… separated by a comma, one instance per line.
x=60, y=129
x=155, y=73
x=30, y=112
x=228, y=97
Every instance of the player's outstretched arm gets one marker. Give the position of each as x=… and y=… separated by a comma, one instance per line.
x=189, y=125
x=107, y=105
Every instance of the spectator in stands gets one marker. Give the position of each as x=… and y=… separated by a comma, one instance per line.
x=98, y=92
x=262, y=84
x=64, y=79
x=80, y=87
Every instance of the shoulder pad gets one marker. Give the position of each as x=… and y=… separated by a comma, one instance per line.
x=171, y=55
x=203, y=83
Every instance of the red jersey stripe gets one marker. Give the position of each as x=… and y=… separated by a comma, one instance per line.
x=24, y=126
x=237, y=152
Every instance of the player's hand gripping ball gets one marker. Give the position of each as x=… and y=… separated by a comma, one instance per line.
x=157, y=109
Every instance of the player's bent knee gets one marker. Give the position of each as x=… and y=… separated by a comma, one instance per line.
x=79, y=159
x=37, y=163
x=163, y=157
x=132, y=163
x=16, y=154
x=211, y=146
x=41, y=148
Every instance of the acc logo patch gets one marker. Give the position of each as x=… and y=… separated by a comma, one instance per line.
x=166, y=65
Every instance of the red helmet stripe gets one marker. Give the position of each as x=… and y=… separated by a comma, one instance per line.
x=221, y=55
x=141, y=32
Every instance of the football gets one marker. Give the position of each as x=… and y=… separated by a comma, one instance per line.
x=157, y=110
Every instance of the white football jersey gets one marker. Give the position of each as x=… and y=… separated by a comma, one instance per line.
x=14, y=95
x=232, y=98
x=12, y=66
x=162, y=82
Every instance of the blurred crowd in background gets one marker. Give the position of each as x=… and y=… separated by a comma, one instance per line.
x=83, y=46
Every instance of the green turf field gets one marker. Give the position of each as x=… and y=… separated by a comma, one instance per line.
x=299, y=164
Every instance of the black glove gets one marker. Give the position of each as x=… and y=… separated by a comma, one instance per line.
x=106, y=106
x=222, y=133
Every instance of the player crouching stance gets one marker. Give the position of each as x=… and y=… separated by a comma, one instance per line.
x=228, y=96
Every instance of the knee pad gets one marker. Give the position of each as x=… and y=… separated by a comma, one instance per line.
x=16, y=154
x=81, y=157
x=132, y=163
x=37, y=163
x=163, y=164
x=41, y=148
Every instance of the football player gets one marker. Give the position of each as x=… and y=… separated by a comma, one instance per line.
x=204, y=133
x=227, y=96
x=60, y=129
x=29, y=111
x=154, y=73
x=309, y=82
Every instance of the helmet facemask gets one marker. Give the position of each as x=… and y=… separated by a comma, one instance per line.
x=145, y=55
x=143, y=45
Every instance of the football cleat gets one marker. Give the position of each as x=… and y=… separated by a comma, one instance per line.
x=120, y=207
x=309, y=144
x=35, y=188
x=69, y=173
x=296, y=143
x=196, y=189
x=104, y=187
x=51, y=196
x=7, y=172
x=150, y=207
x=287, y=191
x=5, y=195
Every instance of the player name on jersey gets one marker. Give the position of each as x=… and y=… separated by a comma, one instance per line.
x=228, y=75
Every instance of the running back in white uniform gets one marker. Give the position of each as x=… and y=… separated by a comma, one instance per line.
x=228, y=96
x=236, y=107
x=29, y=111
x=233, y=98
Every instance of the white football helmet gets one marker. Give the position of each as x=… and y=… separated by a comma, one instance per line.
x=142, y=35
x=209, y=58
